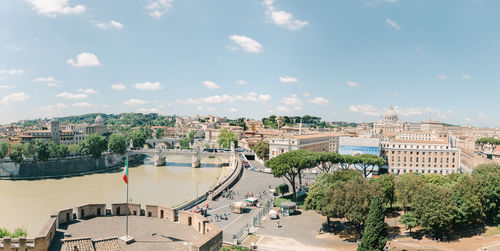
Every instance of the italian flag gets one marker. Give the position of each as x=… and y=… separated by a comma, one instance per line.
x=125, y=171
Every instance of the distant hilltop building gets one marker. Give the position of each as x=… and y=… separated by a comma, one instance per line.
x=66, y=135
x=389, y=124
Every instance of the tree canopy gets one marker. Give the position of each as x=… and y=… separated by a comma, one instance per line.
x=261, y=149
x=117, y=143
x=97, y=144
x=4, y=148
x=225, y=137
x=374, y=235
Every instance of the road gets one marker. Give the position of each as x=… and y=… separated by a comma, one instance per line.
x=250, y=182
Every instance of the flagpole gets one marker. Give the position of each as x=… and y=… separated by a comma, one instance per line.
x=126, y=230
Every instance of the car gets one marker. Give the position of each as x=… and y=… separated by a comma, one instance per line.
x=273, y=215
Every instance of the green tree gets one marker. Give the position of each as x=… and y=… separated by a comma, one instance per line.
x=28, y=150
x=487, y=178
x=117, y=143
x=290, y=165
x=97, y=144
x=351, y=200
x=184, y=142
x=191, y=136
x=159, y=133
x=326, y=161
x=433, y=207
x=467, y=203
x=53, y=153
x=18, y=232
x=74, y=149
x=261, y=149
x=148, y=132
x=225, y=137
x=138, y=137
x=407, y=187
x=62, y=151
x=387, y=183
x=345, y=161
x=41, y=148
x=282, y=189
x=409, y=219
x=4, y=148
x=374, y=235
x=366, y=163
x=83, y=148
x=16, y=153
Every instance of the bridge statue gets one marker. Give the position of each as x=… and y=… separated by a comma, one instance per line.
x=232, y=145
x=131, y=144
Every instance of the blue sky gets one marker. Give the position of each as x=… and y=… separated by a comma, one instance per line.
x=340, y=60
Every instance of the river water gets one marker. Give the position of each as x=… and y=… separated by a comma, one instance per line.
x=29, y=203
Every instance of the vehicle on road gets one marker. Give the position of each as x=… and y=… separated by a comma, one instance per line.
x=273, y=215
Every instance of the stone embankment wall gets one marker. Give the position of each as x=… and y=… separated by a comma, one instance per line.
x=211, y=234
x=32, y=169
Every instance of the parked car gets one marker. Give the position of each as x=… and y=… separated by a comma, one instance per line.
x=273, y=215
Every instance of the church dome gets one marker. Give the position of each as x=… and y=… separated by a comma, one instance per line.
x=99, y=120
x=391, y=114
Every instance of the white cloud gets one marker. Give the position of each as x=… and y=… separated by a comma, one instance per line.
x=241, y=82
x=288, y=79
x=159, y=7
x=81, y=104
x=51, y=84
x=149, y=86
x=224, y=99
x=210, y=85
x=11, y=71
x=393, y=24
x=265, y=97
x=6, y=86
x=442, y=76
x=465, y=76
x=369, y=110
x=61, y=106
x=293, y=101
x=352, y=84
x=118, y=87
x=108, y=25
x=52, y=7
x=319, y=101
x=14, y=97
x=232, y=109
x=67, y=95
x=189, y=101
x=46, y=80
x=88, y=91
x=84, y=59
x=282, y=18
x=247, y=44
x=282, y=109
x=134, y=102
x=150, y=110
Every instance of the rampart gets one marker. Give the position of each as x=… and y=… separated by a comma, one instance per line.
x=211, y=239
x=54, y=168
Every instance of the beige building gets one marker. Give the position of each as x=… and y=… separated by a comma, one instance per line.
x=311, y=142
x=430, y=155
x=431, y=126
x=389, y=124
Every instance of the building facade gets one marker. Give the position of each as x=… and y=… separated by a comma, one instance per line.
x=390, y=123
x=311, y=142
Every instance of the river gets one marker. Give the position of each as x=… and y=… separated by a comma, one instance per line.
x=29, y=203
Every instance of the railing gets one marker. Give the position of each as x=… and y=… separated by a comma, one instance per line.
x=256, y=221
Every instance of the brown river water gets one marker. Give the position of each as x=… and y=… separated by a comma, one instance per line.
x=29, y=203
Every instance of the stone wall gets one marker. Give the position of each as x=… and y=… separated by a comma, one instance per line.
x=31, y=169
x=40, y=243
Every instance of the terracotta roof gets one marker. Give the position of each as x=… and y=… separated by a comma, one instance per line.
x=107, y=244
x=80, y=244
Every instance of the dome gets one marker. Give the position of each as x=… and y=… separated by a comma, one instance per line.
x=99, y=120
x=390, y=113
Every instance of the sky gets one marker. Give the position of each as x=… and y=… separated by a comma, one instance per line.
x=339, y=60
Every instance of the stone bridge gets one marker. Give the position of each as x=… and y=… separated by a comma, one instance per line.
x=168, y=142
x=160, y=154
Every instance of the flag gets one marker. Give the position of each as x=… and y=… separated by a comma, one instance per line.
x=125, y=171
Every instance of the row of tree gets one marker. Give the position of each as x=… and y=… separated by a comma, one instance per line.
x=437, y=204
x=488, y=140
x=291, y=165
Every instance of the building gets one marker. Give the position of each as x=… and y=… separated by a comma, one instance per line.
x=356, y=146
x=310, y=142
x=430, y=155
x=431, y=126
x=389, y=124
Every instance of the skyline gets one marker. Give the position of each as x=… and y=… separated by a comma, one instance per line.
x=342, y=61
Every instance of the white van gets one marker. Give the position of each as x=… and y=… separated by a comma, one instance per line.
x=273, y=214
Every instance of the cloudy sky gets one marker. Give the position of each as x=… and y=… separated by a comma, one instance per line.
x=340, y=60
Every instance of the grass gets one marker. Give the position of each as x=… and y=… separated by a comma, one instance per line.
x=492, y=231
x=289, y=197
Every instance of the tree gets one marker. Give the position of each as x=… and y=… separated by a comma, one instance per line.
x=366, y=163
x=117, y=143
x=74, y=149
x=148, y=132
x=53, y=153
x=138, y=137
x=83, y=148
x=159, y=133
x=345, y=161
x=191, y=136
x=16, y=153
x=433, y=207
x=351, y=200
x=225, y=137
x=184, y=142
x=374, y=235
x=261, y=149
x=407, y=187
x=466, y=200
x=487, y=178
x=282, y=189
x=27, y=150
x=327, y=160
x=409, y=219
x=387, y=183
x=97, y=144
x=62, y=151
x=289, y=165
x=4, y=148
x=41, y=148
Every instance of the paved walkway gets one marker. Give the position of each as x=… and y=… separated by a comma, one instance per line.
x=250, y=182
